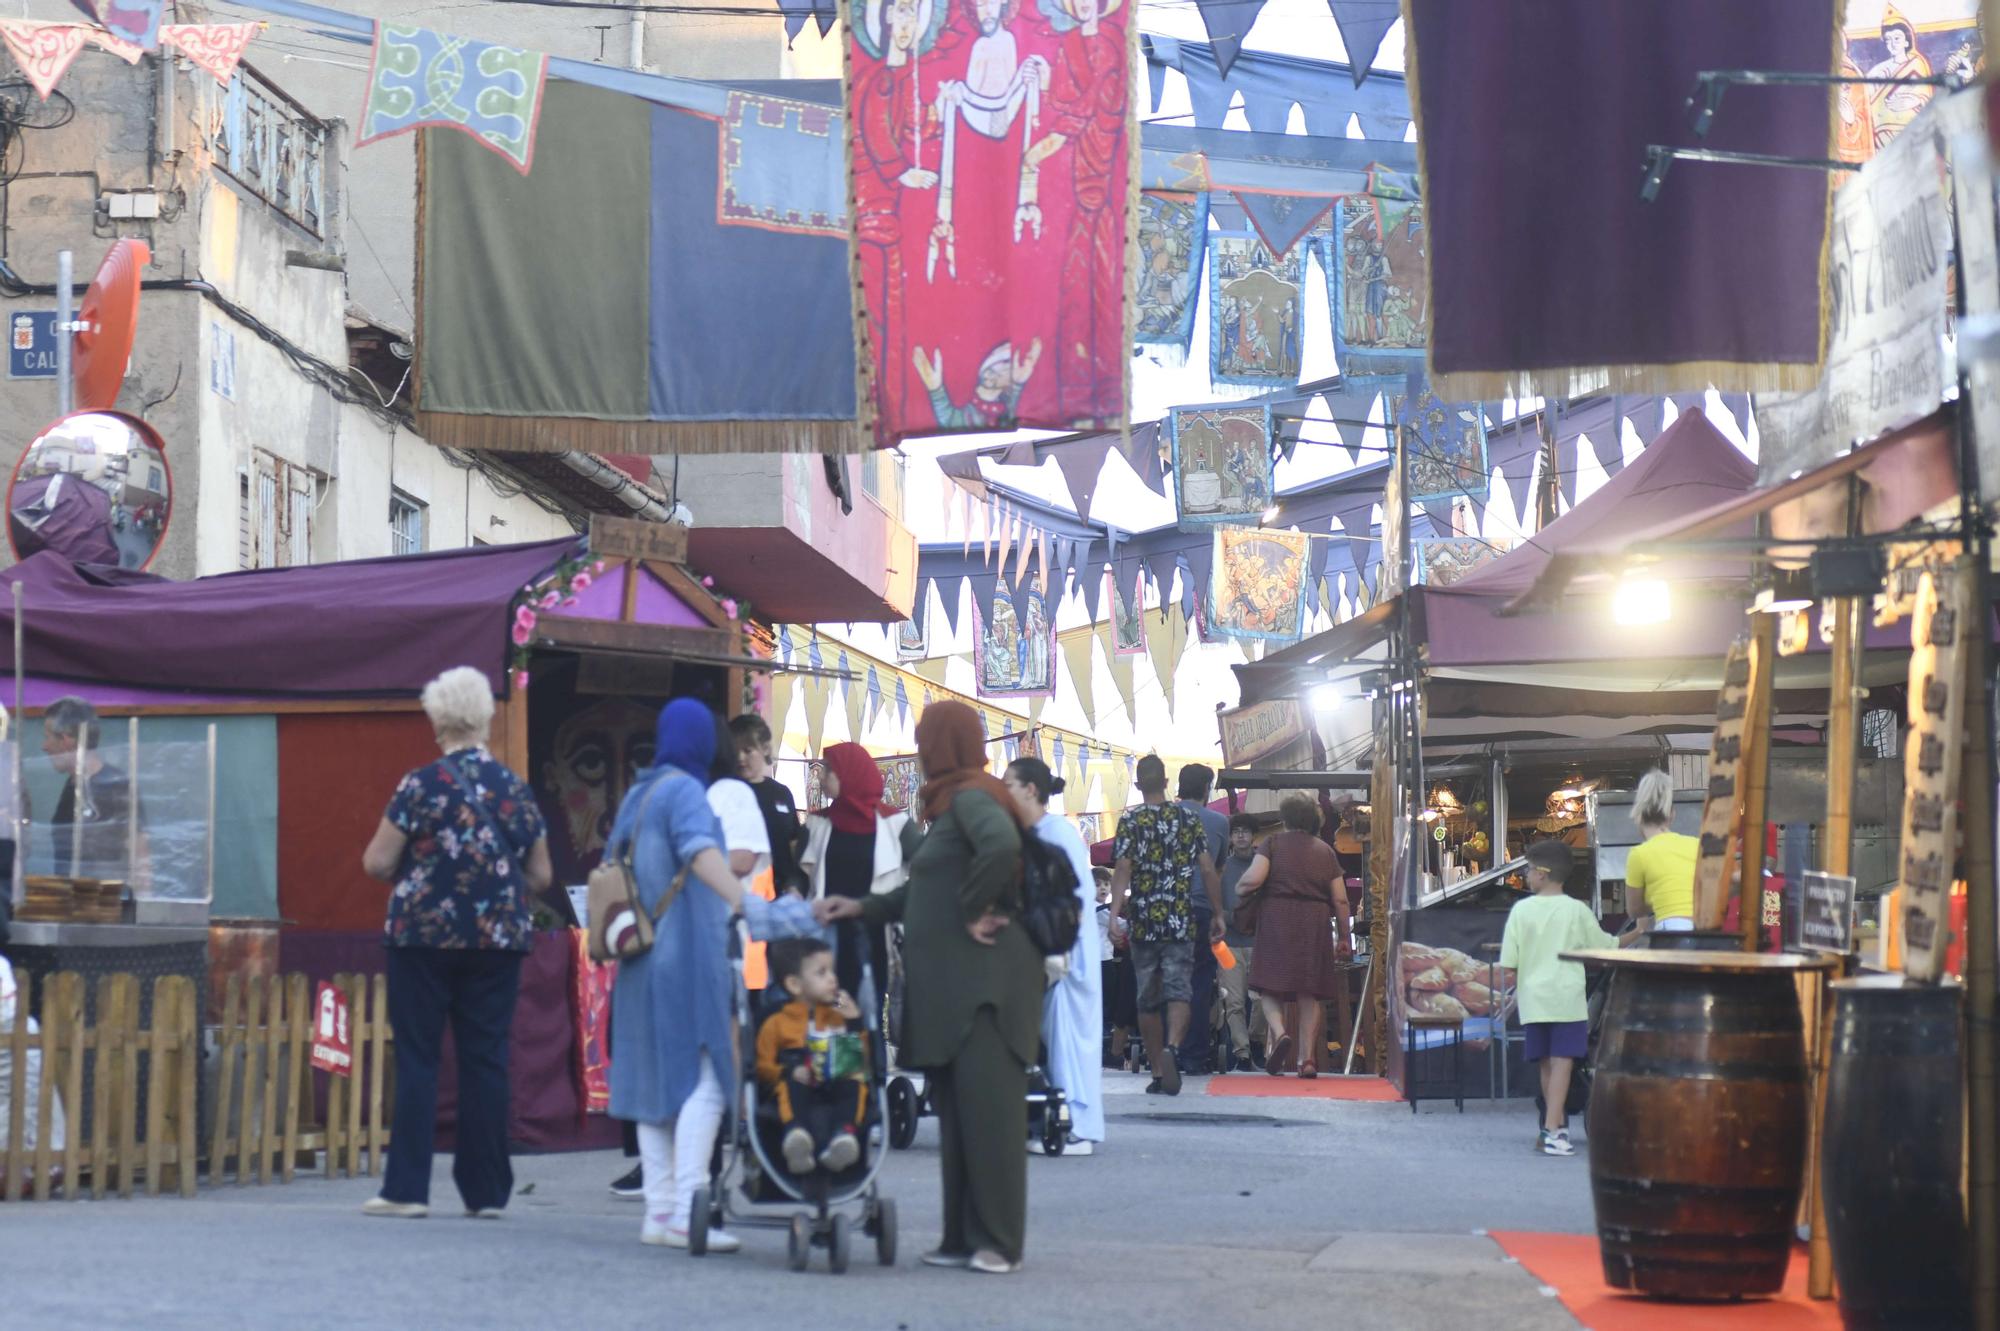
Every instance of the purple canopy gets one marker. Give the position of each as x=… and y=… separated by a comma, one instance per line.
x=76, y=526
x=359, y=628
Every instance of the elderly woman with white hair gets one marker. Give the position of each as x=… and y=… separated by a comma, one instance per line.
x=466, y=848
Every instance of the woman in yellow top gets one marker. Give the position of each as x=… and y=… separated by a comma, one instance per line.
x=1659, y=874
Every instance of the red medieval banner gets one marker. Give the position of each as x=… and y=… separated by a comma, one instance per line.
x=993, y=148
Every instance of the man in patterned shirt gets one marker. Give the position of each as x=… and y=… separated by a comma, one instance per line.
x=1160, y=847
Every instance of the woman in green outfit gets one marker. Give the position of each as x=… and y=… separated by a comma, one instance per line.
x=973, y=1008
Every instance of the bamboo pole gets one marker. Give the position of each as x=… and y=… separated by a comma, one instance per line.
x=1756, y=779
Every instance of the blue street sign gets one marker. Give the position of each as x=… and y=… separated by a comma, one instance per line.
x=31, y=344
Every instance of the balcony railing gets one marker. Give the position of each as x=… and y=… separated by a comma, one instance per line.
x=273, y=147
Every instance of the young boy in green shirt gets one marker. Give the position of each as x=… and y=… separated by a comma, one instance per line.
x=1548, y=989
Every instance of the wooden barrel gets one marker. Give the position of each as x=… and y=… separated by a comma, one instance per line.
x=1695, y=940
x=1698, y=1119
x=1890, y=1167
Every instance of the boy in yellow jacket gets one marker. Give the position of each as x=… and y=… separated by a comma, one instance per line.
x=812, y=1057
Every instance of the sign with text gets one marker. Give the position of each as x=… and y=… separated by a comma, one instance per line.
x=629, y=538
x=1718, y=814
x=1887, y=259
x=1824, y=912
x=333, y=1045
x=31, y=344
x=1250, y=733
x=1938, y=634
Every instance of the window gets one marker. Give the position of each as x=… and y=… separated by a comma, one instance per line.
x=276, y=500
x=406, y=524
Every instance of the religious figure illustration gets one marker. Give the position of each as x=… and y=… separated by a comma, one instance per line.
x=1893, y=106
x=1444, y=560
x=1172, y=232
x=1087, y=103
x=999, y=88
x=1447, y=448
x=1378, y=286
x=592, y=760
x=1259, y=583
x=888, y=109
x=1014, y=654
x=1854, y=139
x=1002, y=376
x=1222, y=463
x=1255, y=310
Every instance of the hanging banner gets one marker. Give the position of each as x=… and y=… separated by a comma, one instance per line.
x=216, y=47
x=1962, y=116
x=1882, y=42
x=1173, y=241
x=1377, y=285
x=1886, y=273
x=1258, y=583
x=1447, y=444
x=1014, y=657
x=1718, y=814
x=44, y=51
x=1222, y=464
x=1392, y=573
x=1128, y=616
x=1939, y=632
x=1256, y=306
x=1249, y=733
x=491, y=92
x=1441, y=561
x=995, y=213
x=136, y=22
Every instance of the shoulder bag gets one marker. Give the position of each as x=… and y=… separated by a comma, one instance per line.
x=620, y=927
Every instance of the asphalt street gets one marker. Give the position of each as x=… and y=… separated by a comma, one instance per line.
x=1200, y=1212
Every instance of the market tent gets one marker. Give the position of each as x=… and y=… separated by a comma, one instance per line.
x=359, y=628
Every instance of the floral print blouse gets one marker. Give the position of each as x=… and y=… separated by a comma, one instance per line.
x=462, y=883
x=1165, y=843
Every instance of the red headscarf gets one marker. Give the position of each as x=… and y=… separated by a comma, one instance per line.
x=860, y=799
x=952, y=750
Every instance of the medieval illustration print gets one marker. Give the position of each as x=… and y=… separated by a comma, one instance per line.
x=1014, y=653
x=1256, y=304
x=1173, y=236
x=1377, y=284
x=1222, y=464
x=1259, y=583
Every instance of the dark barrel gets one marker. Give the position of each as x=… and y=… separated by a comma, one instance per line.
x=1695, y=940
x=1890, y=1166
x=1698, y=1124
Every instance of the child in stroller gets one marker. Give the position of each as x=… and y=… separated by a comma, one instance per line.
x=812, y=1060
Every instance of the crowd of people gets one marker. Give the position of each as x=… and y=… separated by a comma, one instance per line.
x=1195, y=918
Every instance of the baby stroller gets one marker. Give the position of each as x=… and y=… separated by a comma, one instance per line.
x=747, y=1153
x=1048, y=1106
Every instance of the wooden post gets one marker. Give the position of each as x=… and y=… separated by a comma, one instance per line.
x=298, y=1071
x=156, y=1080
x=1756, y=780
x=226, y=1041
x=357, y=1019
x=515, y=745
x=378, y=1041
x=127, y=1109
x=45, y=1101
x=1982, y=1167
x=246, y=1113
x=69, y=1000
x=187, y=1031
x=18, y=1107
x=267, y=1127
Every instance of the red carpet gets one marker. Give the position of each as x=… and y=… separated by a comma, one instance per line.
x=1323, y=1087
x=1570, y=1264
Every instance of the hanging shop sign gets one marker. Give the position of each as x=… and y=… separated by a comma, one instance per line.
x=1250, y=733
x=333, y=1043
x=1823, y=913
x=1887, y=261
x=1725, y=764
x=1938, y=635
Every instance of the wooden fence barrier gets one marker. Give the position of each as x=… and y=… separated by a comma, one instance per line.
x=118, y=1059
x=263, y=1118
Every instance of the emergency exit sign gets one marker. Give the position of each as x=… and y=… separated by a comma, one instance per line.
x=31, y=344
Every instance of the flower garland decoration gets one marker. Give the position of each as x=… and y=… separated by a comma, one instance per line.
x=559, y=591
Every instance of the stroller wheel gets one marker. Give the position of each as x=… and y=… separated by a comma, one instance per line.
x=1054, y=1136
x=903, y=1112
x=798, y=1251
x=698, y=1219
x=885, y=1232
x=838, y=1245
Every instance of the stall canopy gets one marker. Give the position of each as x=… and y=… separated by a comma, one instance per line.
x=354, y=629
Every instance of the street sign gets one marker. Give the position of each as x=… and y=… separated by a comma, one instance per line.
x=1825, y=912
x=31, y=344
x=333, y=1045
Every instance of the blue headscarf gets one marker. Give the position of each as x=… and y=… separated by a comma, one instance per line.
x=685, y=738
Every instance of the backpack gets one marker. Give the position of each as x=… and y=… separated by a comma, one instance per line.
x=1050, y=910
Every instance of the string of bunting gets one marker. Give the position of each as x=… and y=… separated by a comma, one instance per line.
x=45, y=51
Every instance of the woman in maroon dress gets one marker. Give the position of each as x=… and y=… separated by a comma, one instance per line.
x=1296, y=881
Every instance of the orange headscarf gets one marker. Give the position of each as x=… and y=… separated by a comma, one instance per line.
x=952, y=750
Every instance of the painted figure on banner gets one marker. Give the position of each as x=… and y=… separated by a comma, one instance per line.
x=586, y=765
x=1256, y=304
x=910, y=645
x=1259, y=583
x=999, y=87
x=1447, y=447
x=1128, y=617
x=1013, y=656
x=1173, y=231
x=1910, y=39
x=1222, y=463
x=1444, y=560
x=1854, y=132
x=1893, y=107
x=1088, y=99
x=888, y=122
x=1002, y=376
x=1378, y=283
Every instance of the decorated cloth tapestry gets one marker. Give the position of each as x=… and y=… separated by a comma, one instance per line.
x=1013, y=655
x=1447, y=444
x=1444, y=560
x=1256, y=311
x=134, y=21
x=1378, y=285
x=1259, y=581
x=1222, y=464
x=995, y=215
x=1173, y=241
x=1128, y=617
x=910, y=644
x=419, y=77
x=1881, y=41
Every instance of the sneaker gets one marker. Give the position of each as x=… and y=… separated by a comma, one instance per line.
x=954, y=1260
x=1556, y=1143
x=382, y=1206
x=632, y=1186
x=665, y=1235
x=483, y=1213
x=840, y=1153
x=1280, y=1054
x=988, y=1262
x=1170, y=1075
x=798, y=1149
x=1075, y=1145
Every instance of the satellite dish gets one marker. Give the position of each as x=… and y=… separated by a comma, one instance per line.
x=110, y=316
x=95, y=488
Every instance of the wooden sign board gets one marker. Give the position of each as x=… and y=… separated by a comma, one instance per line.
x=1718, y=813
x=1249, y=733
x=1938, y=634
x=625, y=676
x=628, y=538
x=1823, y=915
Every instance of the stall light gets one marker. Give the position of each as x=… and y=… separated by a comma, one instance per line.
x=1270, y=515
x=1788, y=593
x=1326, y=697
x=1429, y=815
x=1642, y=601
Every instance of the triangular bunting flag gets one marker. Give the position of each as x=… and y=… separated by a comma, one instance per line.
x=1006, y=541
x=818, y=694
x=933, y=669
x=216, y=47
x=782, y=687
x=1078, y=650
x=1166, y=642
x=44, y=51
x=1228, y=23
x=1283, y=219
x=1080, y=464
x=1122, y=677
x=1035, y=706
x=857, y=700
x=902, y=702
x=1363, y=24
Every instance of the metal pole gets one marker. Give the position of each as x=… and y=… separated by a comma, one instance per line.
x=18, y=814
x=65, y=384
x=211, y=813
x=132, y=804
x=1360, y=1015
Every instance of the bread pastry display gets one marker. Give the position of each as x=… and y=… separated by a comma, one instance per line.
x=1445, y=982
